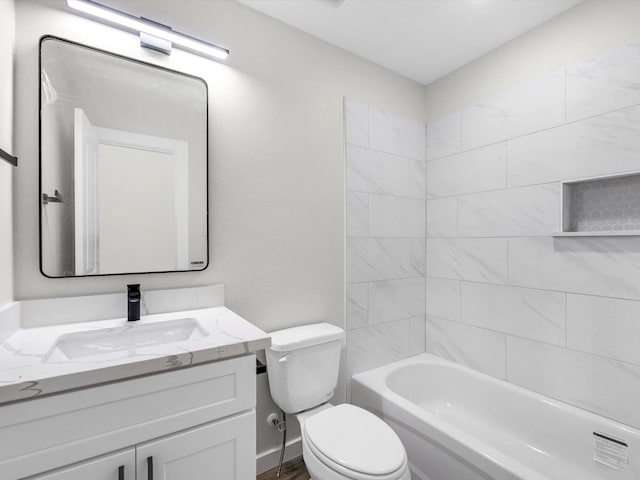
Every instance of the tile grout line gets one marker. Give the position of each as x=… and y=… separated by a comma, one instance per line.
x=460, y=301
x=508, y=276
x=493, y=190
x=506, y=343
x=566, y=320
x=522, y=287
x=575, y=350
x=559, y=125
x=391, y=154
x=514, y=335
x=565, y=94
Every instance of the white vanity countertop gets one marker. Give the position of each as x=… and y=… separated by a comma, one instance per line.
x=31, y=364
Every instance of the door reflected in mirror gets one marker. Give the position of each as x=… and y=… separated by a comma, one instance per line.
x=125, y=145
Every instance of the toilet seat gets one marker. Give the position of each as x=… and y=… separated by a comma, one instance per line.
x=355, y=443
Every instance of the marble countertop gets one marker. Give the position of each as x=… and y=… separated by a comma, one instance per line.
x=32, y=364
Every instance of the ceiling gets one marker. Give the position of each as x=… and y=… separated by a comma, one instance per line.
x=419, y=39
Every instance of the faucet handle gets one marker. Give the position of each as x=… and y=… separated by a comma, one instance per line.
x=133, y=289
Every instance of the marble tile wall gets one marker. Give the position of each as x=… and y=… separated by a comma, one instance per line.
x=560, y=316
x=385, y=230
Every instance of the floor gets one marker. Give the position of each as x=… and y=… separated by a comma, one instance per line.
x=292, y=470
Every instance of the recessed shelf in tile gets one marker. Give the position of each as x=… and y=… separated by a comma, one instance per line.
x=601, y=206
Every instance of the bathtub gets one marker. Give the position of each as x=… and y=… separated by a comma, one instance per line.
x=459, y=424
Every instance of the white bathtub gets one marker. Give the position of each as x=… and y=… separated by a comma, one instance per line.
x=459, y=424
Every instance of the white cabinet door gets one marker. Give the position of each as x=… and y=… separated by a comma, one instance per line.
x=224, y=450
x=115, y=466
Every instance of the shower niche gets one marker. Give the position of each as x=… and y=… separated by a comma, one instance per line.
x=607, y=205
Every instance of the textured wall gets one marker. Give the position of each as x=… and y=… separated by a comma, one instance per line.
x=555, y=315
x=276, y=154
x=385, y=236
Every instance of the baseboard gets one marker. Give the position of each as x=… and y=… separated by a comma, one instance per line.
x=269, y=458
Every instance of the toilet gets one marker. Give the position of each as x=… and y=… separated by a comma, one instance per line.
x=341, y=442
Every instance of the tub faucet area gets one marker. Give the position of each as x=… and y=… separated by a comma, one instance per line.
x=133, y=302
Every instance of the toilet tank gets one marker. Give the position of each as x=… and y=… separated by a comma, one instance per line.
x=302, y=365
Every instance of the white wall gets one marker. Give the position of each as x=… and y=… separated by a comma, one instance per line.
x=555, y=315
x=276, y=157
x=6, y=143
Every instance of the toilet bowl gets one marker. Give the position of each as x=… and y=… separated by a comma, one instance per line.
x=347, y=442
x=341, y=442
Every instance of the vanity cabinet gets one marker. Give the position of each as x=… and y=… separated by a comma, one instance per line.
x=194, y=423
x=117, y=466
x=217, y=450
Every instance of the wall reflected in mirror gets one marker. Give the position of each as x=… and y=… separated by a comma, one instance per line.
x=123, y=165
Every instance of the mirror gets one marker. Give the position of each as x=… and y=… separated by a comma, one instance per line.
x=123, y=165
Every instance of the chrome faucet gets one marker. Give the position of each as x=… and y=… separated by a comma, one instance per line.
x=133, y=302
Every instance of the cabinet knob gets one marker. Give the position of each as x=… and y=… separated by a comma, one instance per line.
x=121, y=472
x=149, y=468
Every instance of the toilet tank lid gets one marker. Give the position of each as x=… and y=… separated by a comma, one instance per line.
x=304, y=336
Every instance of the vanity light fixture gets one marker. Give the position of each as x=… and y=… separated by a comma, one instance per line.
x=152, y=35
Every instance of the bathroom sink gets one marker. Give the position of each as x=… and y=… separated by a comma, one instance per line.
x=128, y=337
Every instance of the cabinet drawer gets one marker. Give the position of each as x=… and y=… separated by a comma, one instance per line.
x=47, y=433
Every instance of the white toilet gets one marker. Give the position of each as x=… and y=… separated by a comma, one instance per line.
x=338, y=442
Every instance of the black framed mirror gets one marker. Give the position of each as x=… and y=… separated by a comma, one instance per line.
x=123, y=164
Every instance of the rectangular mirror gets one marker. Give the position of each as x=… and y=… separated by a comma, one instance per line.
x=123, y=165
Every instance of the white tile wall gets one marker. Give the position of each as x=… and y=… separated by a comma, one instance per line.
x=417, y=335
x=396, y=299
x=566, y=309
x=372, y=259
x=443, y=136
x=556, y=315
x=357, y=308
x=417, y=178
x=443, y=298
x=395, y=134
x=377, y=345
x=604, y=83
x=356, y=123
x=477, y=170
x=477, y=348
x=536, y=105
x=377, y=172
x=357, y=214
x=527, y=211
x=385, y=244
x=608, y=327
x=474, y=259
x=607, y=266
x=442, y=217
x=396, y=216
x=534, y=314
x=596, y=146
x=599, y=384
